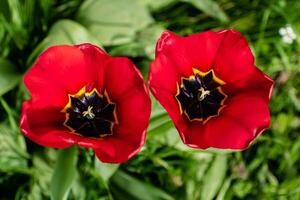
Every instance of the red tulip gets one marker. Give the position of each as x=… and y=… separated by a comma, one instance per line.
x=211, y=88
x=82, y=96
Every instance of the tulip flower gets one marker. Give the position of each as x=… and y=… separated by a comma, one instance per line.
x=212, y=90
x=82, y=96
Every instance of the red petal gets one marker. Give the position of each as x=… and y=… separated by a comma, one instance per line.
x=45, y=127
x=176, y=56
x=60, y=67
x=133, y=110
x=95, y=59
x=126, y=88
x=164, y=75
x=40, y=126
x=258, y=82
x=234, y=60
x=63, y=70
x=118, y=150
x=121, y=76
x=240, y=122
x=168, y=101
x=44, y=90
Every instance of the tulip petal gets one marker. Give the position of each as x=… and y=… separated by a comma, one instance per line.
x=168, y=101
x=234, y=60
x=128, y=91
x=121, y=76
x=45, y=127
x=176, y=56
x=63, y=70
x=95, y=59
x=118, y=150
x=240, y=122
x=133, y=111
x=258, y=82
x=41, y=126
x=59, y=68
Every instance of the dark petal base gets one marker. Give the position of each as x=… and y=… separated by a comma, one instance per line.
x=91, y=115
x=200, y=97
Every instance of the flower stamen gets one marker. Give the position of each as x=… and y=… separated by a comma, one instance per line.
x=202, y=94
x=89, y=113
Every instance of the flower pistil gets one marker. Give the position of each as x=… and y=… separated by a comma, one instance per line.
x=200, y=96
x=90, y=114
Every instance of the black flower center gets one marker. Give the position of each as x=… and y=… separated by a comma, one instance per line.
x=90, y=115
x=200, y=96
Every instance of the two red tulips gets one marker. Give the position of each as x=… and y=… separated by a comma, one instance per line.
x=207, y=82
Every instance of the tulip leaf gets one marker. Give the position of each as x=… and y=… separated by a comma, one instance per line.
x=114, y=22
x=214, y=177
x=4, y=9
x=13, y=150
x=224, y=189
x=43, y=173
x=209, y=7
x=157, y=5
x=64, y=32
x=148, y=38
x=9, y=76
x=105, y=170
x=64, y=173
x=69, y=32
x=124, y=186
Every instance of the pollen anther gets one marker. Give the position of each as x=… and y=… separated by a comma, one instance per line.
x=89, y=113
x=202, y=93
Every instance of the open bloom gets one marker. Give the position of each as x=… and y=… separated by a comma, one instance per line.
x=211, y=89
x=81, y=95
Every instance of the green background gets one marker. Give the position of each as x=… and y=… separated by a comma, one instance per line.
x=165, y=168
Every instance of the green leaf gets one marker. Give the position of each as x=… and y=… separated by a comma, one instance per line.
x=69, y=32
x=64, y=32
x=13, y=150
x=42, y=165
x=214, y=177
x=157, y=5
x=9, y=76
x=105, y=170
x=289, y=186
x=209, y=7
x=132, y=49
x=64, y=173
x=143, y=45
x=4, y=9
x=124, y=186
x=148, y=38
x=224, y=189
x=114, y=22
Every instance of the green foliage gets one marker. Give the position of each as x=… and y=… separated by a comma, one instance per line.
x=9, y=76
x=214, y=177
x=110, y=22
x=165, y=168
x=63, y=32
x=65, y=167
x=210, y=8
x=124, y=186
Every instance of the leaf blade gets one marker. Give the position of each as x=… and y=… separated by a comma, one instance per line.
x=209, y=7
x=64, y=173
x=9, y=76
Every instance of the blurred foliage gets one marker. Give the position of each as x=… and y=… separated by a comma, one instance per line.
x=165, y=168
